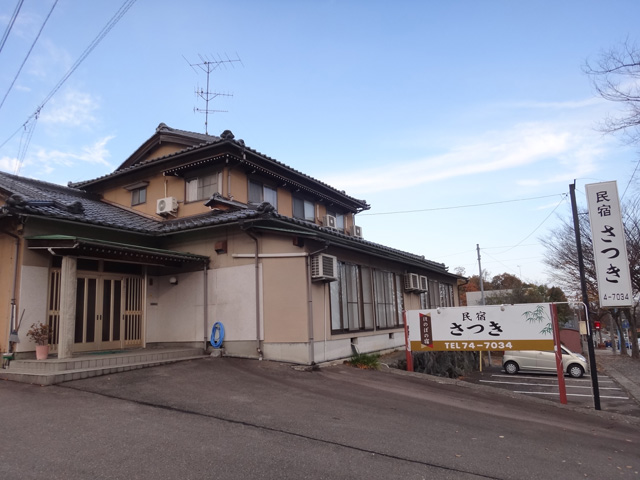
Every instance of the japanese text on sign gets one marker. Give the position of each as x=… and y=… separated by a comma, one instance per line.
x=609, y=245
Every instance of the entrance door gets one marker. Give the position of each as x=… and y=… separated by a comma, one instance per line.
x=99, y=319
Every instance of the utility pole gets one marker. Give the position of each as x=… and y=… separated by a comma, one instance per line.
x=480, y=272
x=585, y=298
x=208, y=66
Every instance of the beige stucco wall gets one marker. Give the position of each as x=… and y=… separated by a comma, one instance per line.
x=234, y=183
x=8, y=256
x=285, y=300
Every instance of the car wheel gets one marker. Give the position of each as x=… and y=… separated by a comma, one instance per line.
x=511, y=367
x=575, y=370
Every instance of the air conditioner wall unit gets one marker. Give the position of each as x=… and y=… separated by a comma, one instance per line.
x=324, y=268
x=411, y=282
x=356, y=231
x=167, y=205
x=330, y=222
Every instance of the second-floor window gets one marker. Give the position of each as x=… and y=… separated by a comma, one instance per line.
x=303, y=209
x=139, y=196
x=339, y=219
x=201, y=187
x=259, y=192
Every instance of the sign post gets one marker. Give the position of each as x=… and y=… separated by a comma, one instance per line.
x=562, y=388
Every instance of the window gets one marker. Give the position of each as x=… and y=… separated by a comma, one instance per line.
x=202, y=187
x=138, y=196
x=303, y=209
x=339, y=219
x=439, y=295
x=259, y=192
x=365, y=299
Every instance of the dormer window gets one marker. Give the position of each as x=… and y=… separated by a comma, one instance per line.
x=259, y=192
x=202, y=187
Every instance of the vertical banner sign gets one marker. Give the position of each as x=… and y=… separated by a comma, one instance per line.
x=609, y=245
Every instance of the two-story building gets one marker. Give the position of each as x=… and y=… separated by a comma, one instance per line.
x=194, y=229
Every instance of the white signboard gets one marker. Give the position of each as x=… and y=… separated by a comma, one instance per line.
x=609, y=245
x=486, y=327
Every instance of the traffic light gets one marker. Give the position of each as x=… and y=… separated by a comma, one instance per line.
x=596, y=324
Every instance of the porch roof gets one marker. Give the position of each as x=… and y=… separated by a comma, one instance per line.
x=94, y=248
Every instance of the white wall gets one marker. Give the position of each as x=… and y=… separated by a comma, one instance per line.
x=175, y=312
x=34, y=282
x=232, y=301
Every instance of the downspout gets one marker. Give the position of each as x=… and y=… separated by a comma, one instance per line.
x=257, y=276
x=206, y=306
x=310, y=306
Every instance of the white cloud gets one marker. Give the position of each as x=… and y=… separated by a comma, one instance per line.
x=46, y=162
x=8, y=164
x=562, y=141
x=494, y=151
x=73, y=109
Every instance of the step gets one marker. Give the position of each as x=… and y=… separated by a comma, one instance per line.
x=53, y=371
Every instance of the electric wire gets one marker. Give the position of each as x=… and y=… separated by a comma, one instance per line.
x=124, y=8
x=28, y=54
x=630, y=180
x=564, y=198
x=5, y=35
x=464, y=206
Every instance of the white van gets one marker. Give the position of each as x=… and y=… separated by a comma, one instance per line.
x=543, y=361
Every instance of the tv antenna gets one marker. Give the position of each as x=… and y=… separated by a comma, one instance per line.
x=208, y=66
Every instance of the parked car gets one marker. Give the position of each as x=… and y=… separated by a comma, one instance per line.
x=573, y=364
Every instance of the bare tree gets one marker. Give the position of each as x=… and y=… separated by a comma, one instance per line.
x=616, y=77
x=561, y=256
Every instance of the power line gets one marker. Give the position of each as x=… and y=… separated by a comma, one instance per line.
x=564, y=197
x=34, y=116
x=466, y=206
x=5, y=35
x=28, y=53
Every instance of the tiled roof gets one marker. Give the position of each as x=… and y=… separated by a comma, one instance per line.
x=37, y=198
x=204, y=141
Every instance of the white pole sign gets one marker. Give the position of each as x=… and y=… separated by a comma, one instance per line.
x=486, y=327
x=609, y=245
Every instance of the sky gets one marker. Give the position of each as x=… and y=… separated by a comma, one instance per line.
x=462, y=123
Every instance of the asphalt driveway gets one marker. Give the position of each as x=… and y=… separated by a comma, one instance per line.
x=233, y=418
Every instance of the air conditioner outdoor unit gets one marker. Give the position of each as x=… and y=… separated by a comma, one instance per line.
x=167, y=205
x=411, y=282
x=324, y=267
x=424, y=283
x=356, y=231
x=330, y=221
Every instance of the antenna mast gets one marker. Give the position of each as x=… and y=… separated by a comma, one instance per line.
x=208, y=66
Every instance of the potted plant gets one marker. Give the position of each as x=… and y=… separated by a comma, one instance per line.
x=39, y=333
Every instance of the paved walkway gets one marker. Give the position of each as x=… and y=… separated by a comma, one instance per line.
x=623, y=369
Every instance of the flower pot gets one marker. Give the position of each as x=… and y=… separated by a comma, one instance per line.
x=42, y=352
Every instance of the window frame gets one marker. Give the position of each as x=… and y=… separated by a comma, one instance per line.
x=340, y=217
x=136, y=196
x=264, y=188
x=358, y=307
x=306, y=215
x=201, y=190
